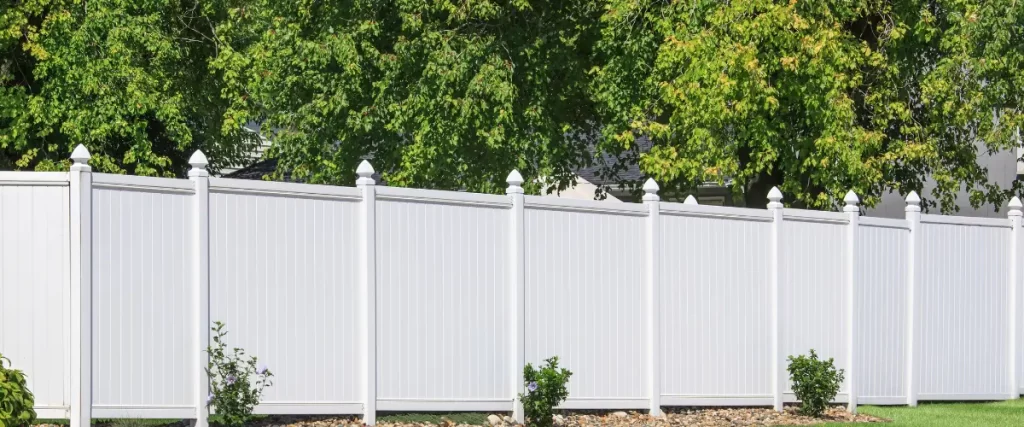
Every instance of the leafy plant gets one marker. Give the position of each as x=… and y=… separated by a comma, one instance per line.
x=15, y=398
x=815, y=382
x=546, y=388
x=236, y=382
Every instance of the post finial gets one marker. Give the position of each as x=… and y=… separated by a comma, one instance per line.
x=198, y=162
x=774, y=198
x=651, y=190
x=365, y=172
x=913, y=202
x=852, y=201
x=515, y=182
x=690, y=200
x=1015, y=206
x=80, y=158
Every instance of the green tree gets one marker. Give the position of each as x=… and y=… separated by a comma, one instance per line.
x=817, y=97
x=442, y=94
x=130, y=79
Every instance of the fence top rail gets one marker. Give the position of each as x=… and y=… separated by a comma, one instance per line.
x=872, y=221
x=965, y=220
x=417, y=195
x=592, y=206
x=142, y=183
x=806, y=215
x=34, y=178
x=707, y=211
x=283, y=189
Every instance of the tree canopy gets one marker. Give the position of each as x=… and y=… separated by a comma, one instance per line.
x=814, y=97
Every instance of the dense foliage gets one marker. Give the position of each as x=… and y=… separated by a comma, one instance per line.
x=15, y=398
x=546, y=388
x=815, y=97
x=815, y=382
x=236, y=382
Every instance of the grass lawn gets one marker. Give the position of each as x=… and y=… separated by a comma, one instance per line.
x=1008, y=413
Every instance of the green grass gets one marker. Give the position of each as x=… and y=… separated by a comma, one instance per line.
x=435, y=417
x=994, y=414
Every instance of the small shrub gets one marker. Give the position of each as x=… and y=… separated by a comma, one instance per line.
x=546, y=388
x=15, y=398
x=815, y=382
x=236, y=383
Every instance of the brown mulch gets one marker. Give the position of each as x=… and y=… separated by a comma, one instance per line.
x=695, y=417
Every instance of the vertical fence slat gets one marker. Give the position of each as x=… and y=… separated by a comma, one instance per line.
x=774, y=250
x=201, y=280
x=651, y=298
x=518, y=282
x=1015, y=218
x=368, y=276
x=853, y=212
x=913, y=216
x=80, y=181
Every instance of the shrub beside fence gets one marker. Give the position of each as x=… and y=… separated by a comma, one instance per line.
x=375, y=298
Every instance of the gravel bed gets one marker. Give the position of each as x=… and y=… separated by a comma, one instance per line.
x=697, y=417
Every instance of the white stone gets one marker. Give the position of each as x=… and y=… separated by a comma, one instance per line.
x=559, y=420
x=494, y=420
x=620, y=414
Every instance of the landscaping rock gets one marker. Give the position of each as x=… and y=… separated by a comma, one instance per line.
x=494, y=420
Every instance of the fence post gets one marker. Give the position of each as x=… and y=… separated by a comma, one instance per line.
x=651, y=251
x=1015, y=218
x=913, y=215
x=690, y=200
x=201, y=280
x=80, y=186
x=368, y=276
x=853, y=212
x=518, y=263
x=775, y=206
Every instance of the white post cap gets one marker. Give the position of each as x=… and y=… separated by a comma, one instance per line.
x=913, y=202
x=774, y=198
x=852, y=201
x=1015, y=206
x=365, y=172
x=690, y=200
x=515, y=183
x=651, y=191
x=80, y=158
x=199, y=163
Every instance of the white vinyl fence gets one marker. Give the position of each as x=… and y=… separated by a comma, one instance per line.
x=390, y=299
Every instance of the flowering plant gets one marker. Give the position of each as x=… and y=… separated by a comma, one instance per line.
x=546, y=388
x=236, y=382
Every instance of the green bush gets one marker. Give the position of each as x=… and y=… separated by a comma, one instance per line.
x=815, y=382
x=546, y=388
x=236, y=383
x=15, y=399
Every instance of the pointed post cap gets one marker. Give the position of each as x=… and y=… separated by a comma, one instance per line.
x=690, y=200
x=514, y=178
x=651, y=190
x=1015, y=206
x=199, y=163
x=913, y=202
x=774, y=198
x=365, y=172
x=80, y=158
x=852, y=201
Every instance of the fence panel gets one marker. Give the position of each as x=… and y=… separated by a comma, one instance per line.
x=284, y=279
x=34, y=300
x=143, y=323
x=963, y=308
x=443, y=292
x=715, y=317
x=583, y=297
x=881, y=295
x=812, y=288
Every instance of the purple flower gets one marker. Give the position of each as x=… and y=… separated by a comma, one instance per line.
x=262, y=370
x=532, y=386
x=230, y=379
x=209, y=399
